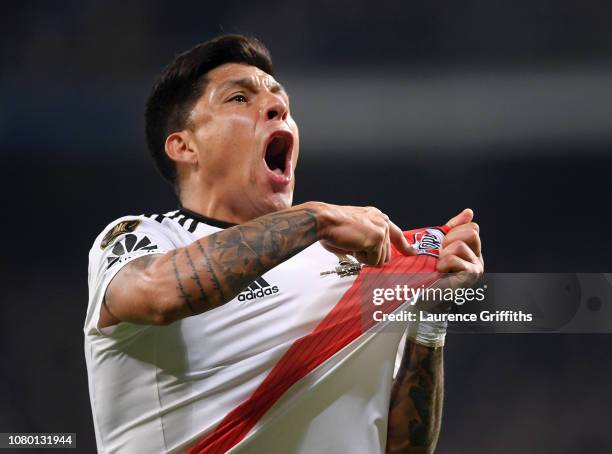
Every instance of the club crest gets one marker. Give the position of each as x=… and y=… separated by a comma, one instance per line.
x=428, y=241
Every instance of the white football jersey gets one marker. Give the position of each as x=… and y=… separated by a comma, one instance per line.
x=286, y=366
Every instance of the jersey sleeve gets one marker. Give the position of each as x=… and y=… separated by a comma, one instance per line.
x=122, y=241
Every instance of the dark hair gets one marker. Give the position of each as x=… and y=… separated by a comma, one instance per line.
x=183, y=81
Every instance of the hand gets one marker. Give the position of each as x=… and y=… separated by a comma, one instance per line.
x=365, y=232
x=461, y=250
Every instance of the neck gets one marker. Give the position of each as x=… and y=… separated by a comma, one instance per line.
x=213, y=207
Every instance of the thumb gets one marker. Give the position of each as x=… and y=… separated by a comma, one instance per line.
x=462, y=218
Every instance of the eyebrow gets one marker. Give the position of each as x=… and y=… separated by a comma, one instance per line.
x=248, y=84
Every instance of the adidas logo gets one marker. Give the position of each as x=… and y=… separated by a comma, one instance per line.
x=258, y=289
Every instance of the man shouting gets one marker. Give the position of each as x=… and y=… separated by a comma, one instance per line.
x=231, y=323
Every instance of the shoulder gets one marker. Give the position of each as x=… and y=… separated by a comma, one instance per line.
x=129, y=235
x=122, y=226
x=135, y=223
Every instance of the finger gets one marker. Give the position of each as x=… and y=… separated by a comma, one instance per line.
x=380, y=245
x=387, y=247
x=373, y=252
x=334, y=249
x=468, y=236
x=462, y=218
x=454, y=264
x=461, y=250
x=399, y=240
x=383, y=249
x=378, y=256
x=452, y=234
x=469, y=225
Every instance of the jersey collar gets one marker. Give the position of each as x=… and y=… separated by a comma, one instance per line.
x=204, y=219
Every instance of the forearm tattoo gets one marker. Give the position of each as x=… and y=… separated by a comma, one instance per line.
x=415, y=409
x=179, y=283
x=214, y=269
x=215, y=280
x=195, y=276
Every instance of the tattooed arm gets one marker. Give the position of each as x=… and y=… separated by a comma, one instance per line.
x=415, y=410
x=158, y=289
x=213, y=270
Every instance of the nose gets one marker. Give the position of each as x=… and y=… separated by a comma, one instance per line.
x=276, y=109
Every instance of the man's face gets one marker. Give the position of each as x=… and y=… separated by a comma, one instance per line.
x=246, y=141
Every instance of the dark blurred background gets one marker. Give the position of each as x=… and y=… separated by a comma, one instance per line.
x=419, y=108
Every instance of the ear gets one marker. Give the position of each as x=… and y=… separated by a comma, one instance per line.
x=178, y=148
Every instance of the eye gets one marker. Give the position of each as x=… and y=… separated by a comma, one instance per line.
x=238, y=98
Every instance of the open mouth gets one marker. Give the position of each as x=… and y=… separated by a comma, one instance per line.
x=277, y=155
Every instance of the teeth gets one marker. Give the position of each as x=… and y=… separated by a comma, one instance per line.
x=278, y=171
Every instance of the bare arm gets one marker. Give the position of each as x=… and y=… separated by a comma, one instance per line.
x=210, y=271
x=415, y=410
x=213, y=270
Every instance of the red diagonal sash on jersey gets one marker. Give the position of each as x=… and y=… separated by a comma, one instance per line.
x=342, y=325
